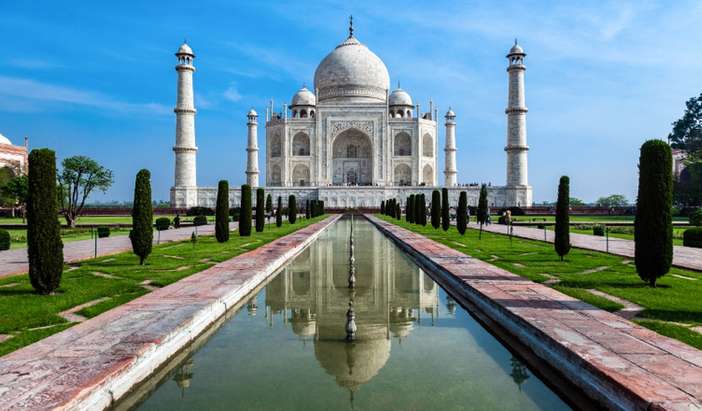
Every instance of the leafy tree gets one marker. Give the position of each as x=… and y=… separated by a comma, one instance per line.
x=78, y=179
x=382, y=207
x=15, y=190
x=409, y=211
x=245, y=214
x=142, y=233
x=482, y=209
x=462, y=213
x=435, y=209
x=44, y=246
x=576, y=202
x=688, y=188
x=445, y=219
x=292, y=209
x=653, y=226
x=7, y=174
x=614, y=200
x=278, y=213
x=562, y=240
x=260, y=214
x=222, y=212
x=687, y=131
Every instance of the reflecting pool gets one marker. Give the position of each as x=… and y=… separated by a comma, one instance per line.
x=413, y=348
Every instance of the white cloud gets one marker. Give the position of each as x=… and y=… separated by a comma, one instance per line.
x=232, y=94
x=33, y=63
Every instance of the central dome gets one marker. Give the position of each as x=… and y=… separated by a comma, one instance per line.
x=352, y=73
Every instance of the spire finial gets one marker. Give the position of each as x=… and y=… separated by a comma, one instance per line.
x=515, y=41
x=398, y=84
x=350, y=26
x=185, y=40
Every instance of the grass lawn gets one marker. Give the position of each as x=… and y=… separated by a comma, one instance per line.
x=29, y=317
x=626, y=233
x=581, y=218
x=109, y=219
x=670, y=308
x=19, y=236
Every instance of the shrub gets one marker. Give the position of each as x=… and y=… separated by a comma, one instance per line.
x=696, y=217
x=292, y=209
x=598, y=230
x=260, y=210
x=445, y=219
x=245, y=216
x=162, y=223
x=103, y=232
x=234, y=213
x=5, y=240
x=462, y=213
x=435, y=209
x=653, y=226
x=562, y=229
x=278, y=213
x=142, y=234
x=692, y=237
x=196, y=211
x=200, y=220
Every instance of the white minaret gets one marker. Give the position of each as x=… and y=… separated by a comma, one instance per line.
x=185, y=148
x=252, y=150
x=450, y=150
x=517, y=171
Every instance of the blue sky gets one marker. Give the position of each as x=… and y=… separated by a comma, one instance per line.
x=98, y=78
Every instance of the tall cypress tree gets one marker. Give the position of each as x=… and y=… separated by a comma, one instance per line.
x=279, y=213
x=269, y=205
x=398, y=211
x=416, y=209
x=435, y=209
x=260, y=213
x=245, y=213
x=462, y=213
x=308, y=213
x=292, y=209
x=44, y=245
x=482, y=209
x=562, y=240
x=382, y=207
x=653, y=226
x=409, y=216
x=222, y=212
x=142, y=233
x=445, y=218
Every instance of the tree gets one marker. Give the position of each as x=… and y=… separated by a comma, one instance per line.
x=614, y=200
x=245, y=213
x=222, y=212
x=260, y=214
x=398, y=211
x=482, y=209
x=269, y=205
x=278, y=213
x=292, y=209
x=44, y=246
x=562, y=240
x=382, y=207
x=653, y=225
x=445, y=219
x=78, y=179
x=409, y=211
x=15, y=190
x=576, y=202
x=422, y=210
x=435, y=209
x=142, y=233
x=462, y=213
x=687, y=131
x=688, y=187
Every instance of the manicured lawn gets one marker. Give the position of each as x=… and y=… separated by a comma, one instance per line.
x=582, y=218
x=102, y=219
x=19, y=236
x=677, y=233
x=678, y=297
x=29, y=317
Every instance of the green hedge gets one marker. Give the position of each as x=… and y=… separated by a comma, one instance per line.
x=200, y=220
x=696, y=217
x=103, y=232
x=692, y=237
x=598, y=230
x=162, y=223
x=5, y=240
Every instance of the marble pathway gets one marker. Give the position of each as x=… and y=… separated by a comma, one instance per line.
x=683, y=257
x=97, y=361
x=623, y=364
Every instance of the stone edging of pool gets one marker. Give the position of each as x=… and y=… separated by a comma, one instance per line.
x=93, y=364
x=614, y=361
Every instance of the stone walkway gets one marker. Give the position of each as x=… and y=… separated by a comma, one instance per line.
x=683, y=257
x=622, y=364
x=13, y=262
x=96, y=362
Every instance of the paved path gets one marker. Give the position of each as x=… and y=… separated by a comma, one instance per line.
x=623, y=364
x=97, y=361
x=13, y=262
x=683, y=257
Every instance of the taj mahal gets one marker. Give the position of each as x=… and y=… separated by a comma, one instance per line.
x=350, y=140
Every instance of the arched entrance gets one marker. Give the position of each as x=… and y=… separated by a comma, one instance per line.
x=352, y=162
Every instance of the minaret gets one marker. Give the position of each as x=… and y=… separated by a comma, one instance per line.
x=252, y=150
x=450, y=150
x=517, y=171
x=185, y=149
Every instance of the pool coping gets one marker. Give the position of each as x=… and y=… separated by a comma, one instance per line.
x=95, y=363
x=614, y=361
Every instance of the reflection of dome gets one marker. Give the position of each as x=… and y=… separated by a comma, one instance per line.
x=303, y=323
x=401, y=322
x=399, y=97
x=303, y=97
x=352, y=72
x=352, y=364
x=5, y=140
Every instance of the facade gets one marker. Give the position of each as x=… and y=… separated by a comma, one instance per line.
x=13, y=159
x=351, y=141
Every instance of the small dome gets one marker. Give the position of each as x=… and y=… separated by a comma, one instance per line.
x=400, y=97
x=252, y=112
x=5, y=140
x=185, y=49
x=450, y=113
x=516, y=49
x=304, y=97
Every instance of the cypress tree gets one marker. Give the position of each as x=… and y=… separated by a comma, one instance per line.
x=415, y=209
x=562, y=229
x=292, y=209
x=44, y=245
x=142, y=233
x=398, y=211
x=482, y=209
x=260, y=213
x=435, y=209
x=391, y=208
x=222, y=212
x=382, y=207
x=245, y=213
x=308, y=214
x=321, y=207
x=279, y=213
x=445, y=218
x=409, y=209
x=462, y=213
x=269, y=205
x=423, y=204
x=653, y=226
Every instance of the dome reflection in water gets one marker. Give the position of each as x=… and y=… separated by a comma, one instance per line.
x=413, y=348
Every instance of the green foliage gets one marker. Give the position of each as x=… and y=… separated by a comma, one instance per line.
x=78, y=179
x=103, y=232
x=14, y=191
x=260, y=212
x=222, y=212
x=688, y=188
x=176, y=221
x=576, y=202
x=142, y=234
x=462, y=213
x=5, y=240
x=245, y=216
x=398, y=210
x=435, y=209
x=614, y=200
x=696, y=217
x=562, y=229
x=482, y=208
x=409, y=209
x=292, y=209
x=382, y=207
x=687, y=131
x=692, y=237
x=199, y=220
x=308, y=212
x=162, y=223
x=196, y=211
x=269, y=204
x=279, y=213
x=422, y=210
x=598, y=230
x=44, y=246
x=445, y=218
x=653, y=228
